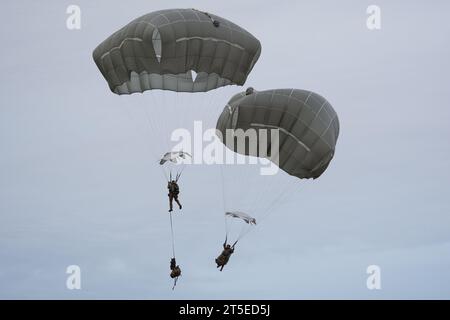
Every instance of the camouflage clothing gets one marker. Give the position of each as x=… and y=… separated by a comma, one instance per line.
x=174, y=190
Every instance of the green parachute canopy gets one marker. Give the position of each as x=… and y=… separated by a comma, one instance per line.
x=308, y=127
x=183, y=50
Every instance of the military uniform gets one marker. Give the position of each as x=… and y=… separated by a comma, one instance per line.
x=174, y=190
x=222, y=260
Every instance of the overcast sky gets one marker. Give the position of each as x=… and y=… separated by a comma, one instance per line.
x=79, y=184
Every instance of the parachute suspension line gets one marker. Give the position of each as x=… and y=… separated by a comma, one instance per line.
x=165, y=121
x=214, y=109
x=140, y=132
x=242, y=233
x=128, y=107
x=216, y=106
x=262, y=192
x=284, y=193
x=155, y=105
x=153, y=130
x=171, y=231
x=164, y=173
x=149, y=119
x=179, y=173
x=223, y=189
x=177, y=111
x=159, y=132
x=172, y=120
x=268, y=210
x=219, y=102
x=226, y=229
x=267, y=189
x=224, y=201
x=211, y=107
x=161, y=128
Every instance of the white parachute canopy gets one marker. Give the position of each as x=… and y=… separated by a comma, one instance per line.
x=174, y=162
x=174, y=156
x=241, y=215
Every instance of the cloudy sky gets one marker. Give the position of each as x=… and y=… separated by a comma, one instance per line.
x=79, y=184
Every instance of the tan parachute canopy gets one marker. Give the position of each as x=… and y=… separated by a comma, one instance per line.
x=183, y=50
x=308, y=127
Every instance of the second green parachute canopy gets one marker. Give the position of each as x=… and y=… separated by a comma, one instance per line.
x=183, y=50
x=307, y=124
